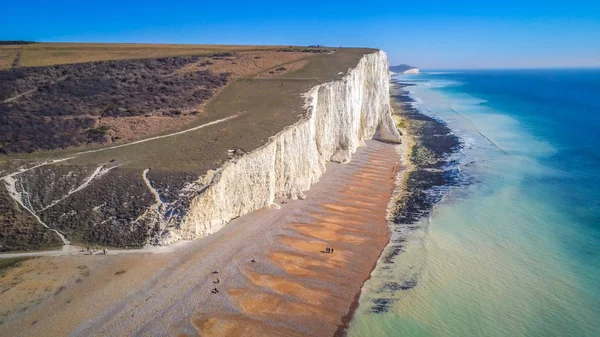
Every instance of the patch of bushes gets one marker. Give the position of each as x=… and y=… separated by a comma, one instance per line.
x=62, y=102
x=97, y=134
x=222, y=55
x=303, y=50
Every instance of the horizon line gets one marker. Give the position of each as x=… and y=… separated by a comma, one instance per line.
x=515, y=68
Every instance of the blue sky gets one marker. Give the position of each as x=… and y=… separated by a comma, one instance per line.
x=429, y=34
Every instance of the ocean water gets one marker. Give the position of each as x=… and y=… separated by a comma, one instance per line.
x=515, y=249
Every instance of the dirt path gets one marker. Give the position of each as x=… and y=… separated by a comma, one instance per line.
x=14, y=98
x=17, y=60
x=292, y=288
x=10, y=99
x=162, y=136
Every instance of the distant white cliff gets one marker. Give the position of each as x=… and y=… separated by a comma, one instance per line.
x=341, y=115
x=411, y=71
x=404, y=69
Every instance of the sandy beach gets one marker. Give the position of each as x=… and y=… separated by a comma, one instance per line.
x=274, y=275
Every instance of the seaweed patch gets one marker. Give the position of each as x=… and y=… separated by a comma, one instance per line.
x=395, y=286
x=381, y=305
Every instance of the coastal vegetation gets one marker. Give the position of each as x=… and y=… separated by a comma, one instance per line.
x=401, y=122
x=46, y=108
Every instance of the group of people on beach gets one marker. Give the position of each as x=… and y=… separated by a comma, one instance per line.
x=328, y=250
x=215, y=290
x=217, y=281
x=89, y=251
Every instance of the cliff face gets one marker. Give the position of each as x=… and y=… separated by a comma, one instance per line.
x=411, y=71
x=341, y=115
x=404, y=69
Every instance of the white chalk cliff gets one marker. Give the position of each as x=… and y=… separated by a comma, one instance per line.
x=411, y=71
x=341, y=115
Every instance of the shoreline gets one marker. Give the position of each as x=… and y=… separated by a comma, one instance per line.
x=400, y=191
x=404, y=170
x=414, y=197
x=342, y=330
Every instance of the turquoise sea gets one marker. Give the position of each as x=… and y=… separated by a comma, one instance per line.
x=514, y=250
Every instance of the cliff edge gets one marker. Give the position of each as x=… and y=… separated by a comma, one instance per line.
x=404, y=69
